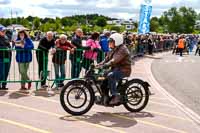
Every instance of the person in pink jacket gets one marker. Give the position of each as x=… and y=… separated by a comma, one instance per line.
x=91, y=55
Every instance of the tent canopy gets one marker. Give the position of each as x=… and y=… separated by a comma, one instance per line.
x=17, y=27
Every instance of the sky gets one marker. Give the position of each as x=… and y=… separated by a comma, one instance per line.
x=122, y=9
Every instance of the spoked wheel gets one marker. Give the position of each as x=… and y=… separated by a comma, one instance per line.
x=136, y=95
x=77, y=97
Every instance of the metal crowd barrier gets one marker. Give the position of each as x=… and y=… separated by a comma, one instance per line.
x=141, y=49
x=14, y=75
x=82, y=64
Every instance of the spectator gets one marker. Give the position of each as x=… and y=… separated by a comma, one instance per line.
x=104, y=46
x=141, y=45
x=24, y=45
x=91, y=55
x=133, y=46
x=9, y=35
x=77, y=56
x=44, y=46
x=150, y=45
x=128, y=41
x=198, y=48
x=5, y=58
x=175, y=45
x=181, y=45
x=161, y=42
x=59, y=58
x=194, y=41
x=189, y=41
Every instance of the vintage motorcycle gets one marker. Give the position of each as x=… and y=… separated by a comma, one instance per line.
x=79, y=95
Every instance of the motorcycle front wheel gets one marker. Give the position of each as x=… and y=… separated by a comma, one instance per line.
x=77, y=97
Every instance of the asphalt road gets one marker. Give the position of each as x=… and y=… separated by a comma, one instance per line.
x=180, y=77
x=40, y=111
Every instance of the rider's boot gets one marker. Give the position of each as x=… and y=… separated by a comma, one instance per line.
x=115, y=100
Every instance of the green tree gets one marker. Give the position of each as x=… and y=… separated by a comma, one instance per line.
x=180, y=20
x=58, y=24
x=101, y=22
x=115, y=28
x=135, y=25
x=161, y=21
x=154, y=24
x=86, y=28
x=30, y=18
x=45, y=20
x=189, y=19
x=25, y=23
x=5, y=22
x=198, y=16
x=36, y=23
x=68, y=22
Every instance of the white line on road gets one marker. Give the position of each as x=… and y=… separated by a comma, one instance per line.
x=23, y=126
x=59, y=115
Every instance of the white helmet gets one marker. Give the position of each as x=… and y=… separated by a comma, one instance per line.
x=118, y=38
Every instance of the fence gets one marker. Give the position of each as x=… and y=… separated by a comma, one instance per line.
x=11, y=63
x=159, y=46
x=8, y=62
x=70, y=67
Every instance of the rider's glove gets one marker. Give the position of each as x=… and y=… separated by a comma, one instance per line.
x=106, y=65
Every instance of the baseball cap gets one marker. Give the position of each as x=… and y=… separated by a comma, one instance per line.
x=2, y=28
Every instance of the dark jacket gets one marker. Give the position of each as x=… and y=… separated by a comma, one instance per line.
x=46, y=45
x=198, y=45
x=78, y=54
x=24, y=55
x=5, y=44
x=119, y=59
x=61, y=52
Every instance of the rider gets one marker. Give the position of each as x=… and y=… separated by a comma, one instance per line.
x=120, y=62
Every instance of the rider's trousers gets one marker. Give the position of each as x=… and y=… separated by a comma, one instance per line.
x=113, y=77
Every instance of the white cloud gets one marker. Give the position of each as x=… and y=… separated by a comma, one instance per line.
x=113, y=8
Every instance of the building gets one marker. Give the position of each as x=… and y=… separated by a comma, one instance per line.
x=129, y=24
x=197, y=25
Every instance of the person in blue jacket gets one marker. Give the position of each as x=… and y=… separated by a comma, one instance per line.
x=24, y=45
x=104, y=46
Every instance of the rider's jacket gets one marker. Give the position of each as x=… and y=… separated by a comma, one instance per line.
x=120, y=59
